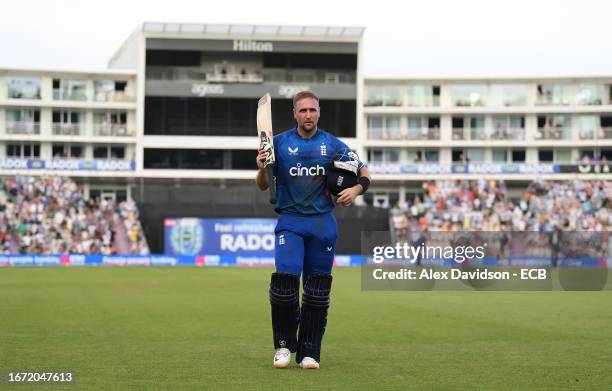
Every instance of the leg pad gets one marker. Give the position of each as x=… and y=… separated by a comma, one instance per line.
x=284, y=300
x=313, y=319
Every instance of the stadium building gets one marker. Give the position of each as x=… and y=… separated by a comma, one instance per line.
x=171, y=123
x=513, y=129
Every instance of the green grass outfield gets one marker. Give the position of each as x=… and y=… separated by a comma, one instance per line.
x=209, y=328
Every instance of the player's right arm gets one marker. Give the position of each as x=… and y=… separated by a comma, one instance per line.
x=261, y=179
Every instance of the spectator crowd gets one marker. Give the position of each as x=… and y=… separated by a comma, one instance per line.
x=50, y=215
x=483, y=206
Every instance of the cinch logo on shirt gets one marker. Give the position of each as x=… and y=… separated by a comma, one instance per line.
x=298, y=170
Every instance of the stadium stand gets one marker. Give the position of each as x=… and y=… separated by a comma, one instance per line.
x=482, y=205
x=50, y=215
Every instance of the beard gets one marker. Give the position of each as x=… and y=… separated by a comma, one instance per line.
x=309, y=127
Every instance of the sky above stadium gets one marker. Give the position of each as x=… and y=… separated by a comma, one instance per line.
x=402, y=38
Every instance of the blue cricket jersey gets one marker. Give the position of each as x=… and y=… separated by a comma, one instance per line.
x=300, y=171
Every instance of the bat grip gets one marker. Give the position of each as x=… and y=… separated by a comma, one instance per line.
x=271, y=182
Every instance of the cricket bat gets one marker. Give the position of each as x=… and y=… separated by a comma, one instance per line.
x=266, y=135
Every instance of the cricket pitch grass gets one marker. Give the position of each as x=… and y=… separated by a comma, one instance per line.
x=186, y=328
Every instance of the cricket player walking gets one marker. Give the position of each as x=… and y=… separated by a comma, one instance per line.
x=311, y=165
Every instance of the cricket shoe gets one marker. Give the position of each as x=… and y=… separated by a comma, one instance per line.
x=309, y=363
x=282, y=358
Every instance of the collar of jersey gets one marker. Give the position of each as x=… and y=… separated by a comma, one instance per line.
x=306, y=139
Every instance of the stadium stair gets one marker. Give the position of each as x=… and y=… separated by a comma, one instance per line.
x=120, y=241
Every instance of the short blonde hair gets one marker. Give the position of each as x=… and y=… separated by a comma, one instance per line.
x=304, y=94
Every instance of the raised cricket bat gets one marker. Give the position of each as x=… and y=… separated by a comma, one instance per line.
x=266, y=135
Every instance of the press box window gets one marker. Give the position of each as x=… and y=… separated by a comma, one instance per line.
x=109, y=152
x=23, y=150
x=545, y=155
x=518, y=155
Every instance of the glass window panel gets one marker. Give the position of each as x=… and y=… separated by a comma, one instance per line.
x=375, y=127
x=100, y=152
x=70, y=90
x=555, y=94
x=477, y=122
x=590, y=94
x=587, y=151
x=546, y=155
x=412, y=156
x=393, y=96
x=392, y=155
x=392, y=128
x=117, y=152
x=606, y=154
x=24, y=87
x=468, y=94
x=477, y=131
x=419, y=96
x=517, y=122
x=376, y=155
x=500, y=156
x=475, y=155
x=554, y=127
x=563, y=155
x=103, y=90
x=76, y=151
x=508, y=95
x=432, y=155
x=13, y=150
x=587, y=126
x=518, y=155
x=375, y=95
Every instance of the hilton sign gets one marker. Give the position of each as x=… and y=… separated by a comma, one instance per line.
x=242, y=45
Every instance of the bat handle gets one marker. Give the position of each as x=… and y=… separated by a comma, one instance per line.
x=271, y=182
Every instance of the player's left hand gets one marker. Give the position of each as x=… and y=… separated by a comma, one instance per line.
x=347, y=196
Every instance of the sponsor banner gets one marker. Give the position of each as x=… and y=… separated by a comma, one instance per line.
x=67, y=164
x=591, y=168
x=244, y=237
x=472, y=168
x=154, y=260
x=238, y=260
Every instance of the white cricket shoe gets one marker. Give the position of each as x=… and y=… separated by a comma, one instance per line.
x=309, y=363
x=282, y=358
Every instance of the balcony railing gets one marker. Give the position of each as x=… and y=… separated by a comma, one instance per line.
x=59, y=94
x=459, y=134
x=105, y=130
x=480, y=134
x=601, y=133
x=233, y=78
x=421, y=134
x=508, y=134
x=468, y=102
x=429, y=101
x=67, y=129
x=21, y=127
x=24, y=94
x=404, y=134
x=551, y=100
x=606, y=132
x=115, y=96
x=265, y=75
x=566, y=101
x=553, y=134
